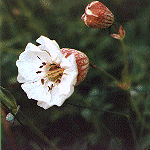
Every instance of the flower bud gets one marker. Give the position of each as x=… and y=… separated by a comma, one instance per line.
x=97, y=15
x=81, y=60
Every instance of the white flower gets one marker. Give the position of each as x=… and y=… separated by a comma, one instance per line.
x=46, y=74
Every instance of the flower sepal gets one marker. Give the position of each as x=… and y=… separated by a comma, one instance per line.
x=120, y=35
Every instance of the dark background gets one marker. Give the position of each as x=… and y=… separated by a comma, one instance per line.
x=69, y=126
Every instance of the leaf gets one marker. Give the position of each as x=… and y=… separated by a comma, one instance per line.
x=7, y=98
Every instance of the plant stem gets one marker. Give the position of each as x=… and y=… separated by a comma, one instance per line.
x=95, y=109
x=125, y=76
x=107, y=74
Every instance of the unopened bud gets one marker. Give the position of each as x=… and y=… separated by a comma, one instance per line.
x=81, y=60
x=97, y=15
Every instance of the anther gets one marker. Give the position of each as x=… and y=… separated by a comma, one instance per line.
x=44, y=63
x=38, y=57
x=42, y=81
x=50, y=88
x=38, y=72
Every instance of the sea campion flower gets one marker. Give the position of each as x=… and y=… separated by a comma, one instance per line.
x=47, y=75
x=97, y=15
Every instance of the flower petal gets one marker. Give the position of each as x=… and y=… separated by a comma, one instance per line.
x=59, y=94
x=44, y=105
x=20, y=78
x=37, y=54
x=65, y=88
x=51, y=47
x=70, y=64
x=37, y=91
x=30, y=61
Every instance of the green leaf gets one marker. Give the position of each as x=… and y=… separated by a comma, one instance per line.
x=7, y=98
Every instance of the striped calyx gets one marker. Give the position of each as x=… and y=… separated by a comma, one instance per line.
x=81, y=60
x=97, y=15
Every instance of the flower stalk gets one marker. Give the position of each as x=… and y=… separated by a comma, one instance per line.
x=95, y=109
x=126, y=82
x=107, y=74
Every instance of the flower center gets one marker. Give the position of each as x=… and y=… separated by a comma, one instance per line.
x=54, y=73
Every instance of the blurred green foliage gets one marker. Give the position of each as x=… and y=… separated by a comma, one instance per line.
x=68, y=126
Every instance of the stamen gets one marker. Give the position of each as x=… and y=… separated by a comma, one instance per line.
x=57, y=72
x=38, y=72
x=44, y=63
x=53, y=67
x=38, y=57
x=50, y=88
x=42, y=81
x=54, y=73
x=58, y=81
x=60, y=74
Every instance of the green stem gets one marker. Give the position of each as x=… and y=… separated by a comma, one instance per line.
x=95, y=109
x=135, y=108
x=107, y=74
x=125, y=76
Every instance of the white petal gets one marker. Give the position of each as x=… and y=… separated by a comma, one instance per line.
x=43, y=95
x=28, y=71
x=44, y=105
x=37, y=91
x=65, y=88
x=69, y=79
x=30, y=61
x=20, y=78
x=32, y=52
x=71, y=70
x=72, y=60
x=58, y=97
x=51, y=47
x=70, y=64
